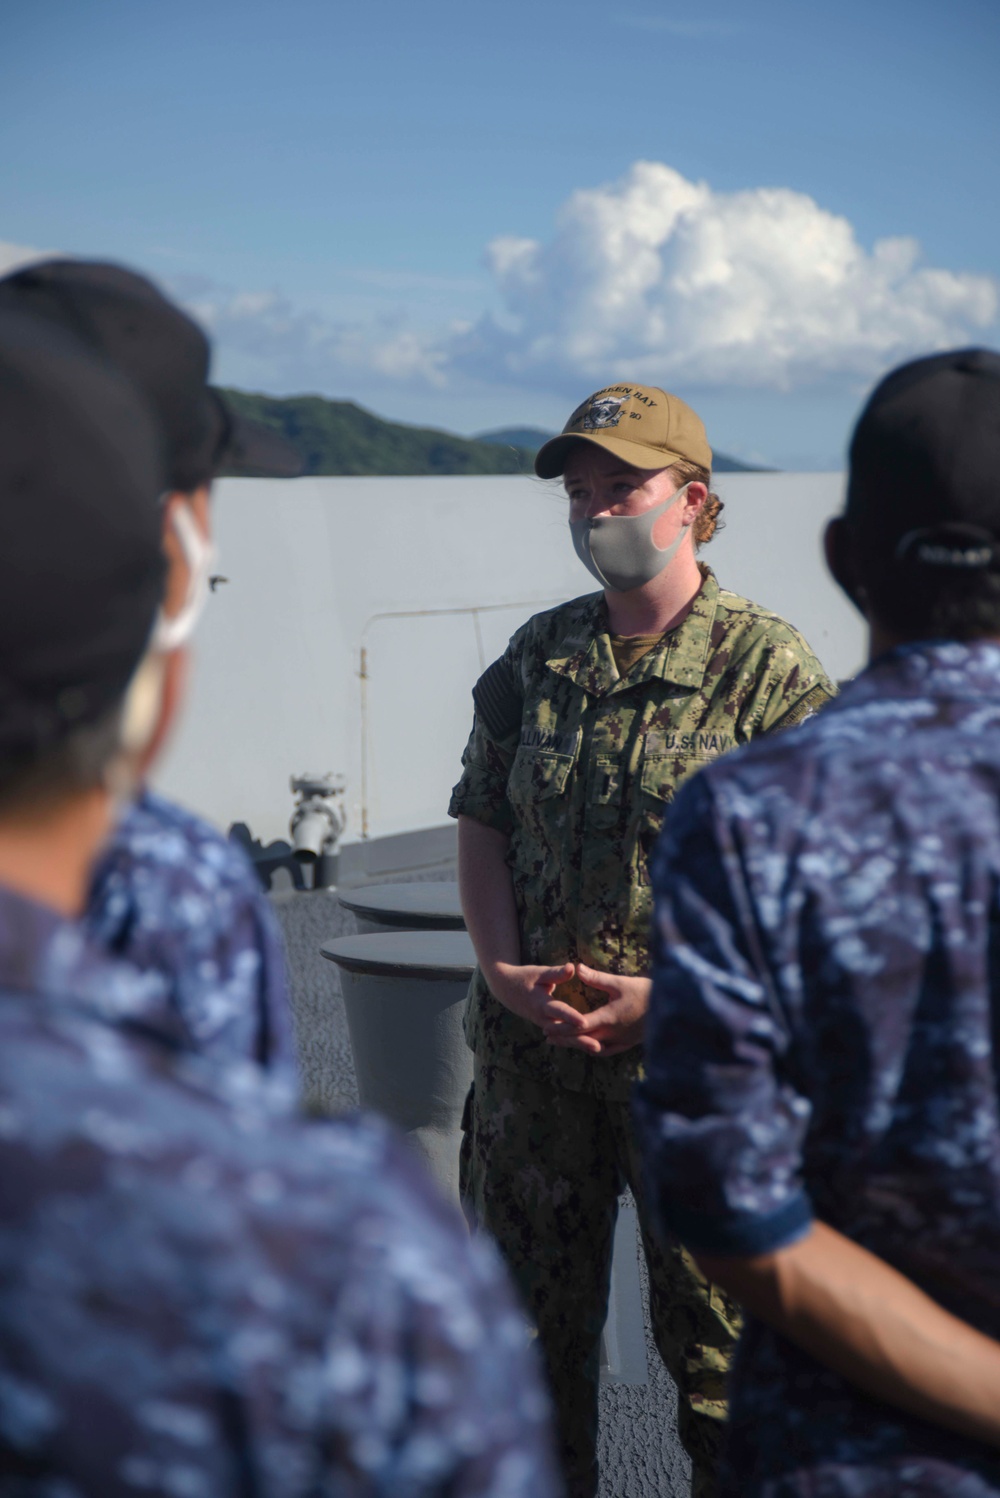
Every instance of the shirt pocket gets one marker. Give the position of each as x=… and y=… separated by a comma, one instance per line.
x=659, y=779
x=663, y=773
x=537, y=775
x=537, y=795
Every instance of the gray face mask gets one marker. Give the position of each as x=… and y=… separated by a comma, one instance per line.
x=619, y=549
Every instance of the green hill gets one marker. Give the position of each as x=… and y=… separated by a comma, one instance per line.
x=722, y=463
x=338, y=437
x=530, y=439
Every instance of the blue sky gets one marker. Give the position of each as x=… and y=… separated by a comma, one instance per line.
x=469, y=215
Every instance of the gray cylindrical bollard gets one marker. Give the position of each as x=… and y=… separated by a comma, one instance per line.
x=422, y=906
x=404, y=995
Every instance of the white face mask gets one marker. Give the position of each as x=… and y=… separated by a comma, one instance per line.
x=619, y=549
x=199, y=554
x=144, y=697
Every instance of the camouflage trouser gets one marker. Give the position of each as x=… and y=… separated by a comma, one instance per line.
x=541, y=1171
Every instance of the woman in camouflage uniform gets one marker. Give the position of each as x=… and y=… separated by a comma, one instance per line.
x=584, y=728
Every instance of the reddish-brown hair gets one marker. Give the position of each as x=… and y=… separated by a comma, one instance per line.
x=707, y=521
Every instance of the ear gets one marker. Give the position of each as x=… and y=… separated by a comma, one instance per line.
x=176, y=582
x=838, y=548
x=176, y=585
x=694, y=501
x=200, y=502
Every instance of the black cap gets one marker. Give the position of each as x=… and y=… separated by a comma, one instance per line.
x=81, y=558
x=924, y=485
x=165, y=354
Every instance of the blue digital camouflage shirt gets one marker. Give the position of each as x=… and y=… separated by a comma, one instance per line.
x=202, y=1296
x=183, y=904
x=824, y=1040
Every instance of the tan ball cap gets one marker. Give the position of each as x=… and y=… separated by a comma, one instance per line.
x=642, y=424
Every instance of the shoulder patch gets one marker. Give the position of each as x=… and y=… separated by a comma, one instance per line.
x=806, y=707
x=498, y=699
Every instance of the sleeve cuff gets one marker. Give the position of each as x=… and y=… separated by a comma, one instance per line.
x=499, y=818
x=740, y=1237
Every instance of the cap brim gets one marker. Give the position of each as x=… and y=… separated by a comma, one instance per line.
x=253, y=450
x=550, y=460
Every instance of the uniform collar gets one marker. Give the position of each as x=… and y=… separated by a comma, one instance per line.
x=584, y=654
x=961, y=669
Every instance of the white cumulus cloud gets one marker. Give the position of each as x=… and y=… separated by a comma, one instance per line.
x=287, y=347
x=661, y=278
x=653, y=277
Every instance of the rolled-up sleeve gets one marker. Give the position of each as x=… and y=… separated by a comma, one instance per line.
x=720, y=1121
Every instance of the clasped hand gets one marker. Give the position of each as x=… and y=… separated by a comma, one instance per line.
x=615, y=1026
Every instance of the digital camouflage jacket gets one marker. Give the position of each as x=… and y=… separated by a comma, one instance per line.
x=203, y=1296
x=578, y=766
x=824, y=1041
x=181, y=903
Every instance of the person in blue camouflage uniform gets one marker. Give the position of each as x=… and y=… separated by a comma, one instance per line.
x=184, y=905
x=202, y=1295
x=821, y=1112
x=171, y=894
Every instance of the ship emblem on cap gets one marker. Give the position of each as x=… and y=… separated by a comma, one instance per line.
x=603, y=411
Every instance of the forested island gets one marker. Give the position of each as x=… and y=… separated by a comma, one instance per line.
x=339, y=437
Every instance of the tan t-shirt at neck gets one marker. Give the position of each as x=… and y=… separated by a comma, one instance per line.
x=627, y=649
